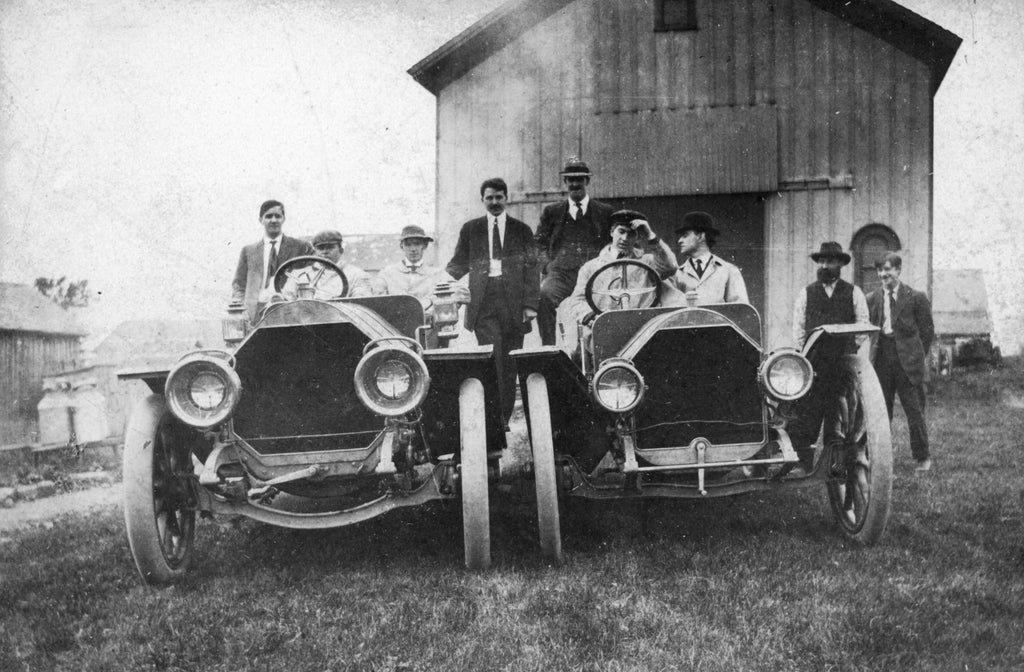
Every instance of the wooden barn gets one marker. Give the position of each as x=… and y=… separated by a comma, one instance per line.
x=37, y=338
x=791, y=121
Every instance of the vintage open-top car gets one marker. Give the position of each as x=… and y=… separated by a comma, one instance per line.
x=681, y=401
x=325, y=412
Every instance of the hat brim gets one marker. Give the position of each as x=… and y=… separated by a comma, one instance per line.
x=698, y=229
x=576, y=173
x=426, y=238
x=842, y=256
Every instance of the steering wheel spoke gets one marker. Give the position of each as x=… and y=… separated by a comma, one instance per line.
x=325, y=277
x=623, y=284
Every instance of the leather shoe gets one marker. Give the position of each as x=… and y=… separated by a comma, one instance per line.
x=924, y=465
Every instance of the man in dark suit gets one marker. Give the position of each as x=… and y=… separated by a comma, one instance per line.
x=570, y=233
x=906, y=331
x=254, y=278
x=497, y=252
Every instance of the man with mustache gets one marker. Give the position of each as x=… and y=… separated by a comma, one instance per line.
x=828, y=300
x=497, y=252
x=569, y=234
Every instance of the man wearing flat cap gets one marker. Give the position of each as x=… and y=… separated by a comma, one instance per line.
x=632, y=238
x=711, y=278
x=329, y=245
x=827, y=300
x=253, y=284
x=412, y=275
x=569, y=234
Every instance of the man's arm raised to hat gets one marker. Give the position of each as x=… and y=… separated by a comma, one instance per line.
x=658, y=254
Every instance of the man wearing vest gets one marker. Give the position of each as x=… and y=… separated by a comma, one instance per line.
x=828, y=300
x=569, y=234
x=906, y=332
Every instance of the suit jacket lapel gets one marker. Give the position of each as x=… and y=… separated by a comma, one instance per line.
x=902, y=297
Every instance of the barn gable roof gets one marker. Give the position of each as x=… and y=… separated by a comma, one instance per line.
x=960, y=303
x=152, y=342
x=23, y=308
x=885, y=19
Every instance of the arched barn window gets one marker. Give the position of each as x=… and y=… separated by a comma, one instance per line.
x=868, y=246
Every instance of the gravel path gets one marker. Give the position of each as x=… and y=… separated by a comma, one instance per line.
x=47, y=508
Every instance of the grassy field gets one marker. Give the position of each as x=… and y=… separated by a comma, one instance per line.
x=762, y=582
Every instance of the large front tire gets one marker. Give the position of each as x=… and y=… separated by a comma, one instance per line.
x=476, y=511
x=545, y=477
x=159, y=507
x=860, y=493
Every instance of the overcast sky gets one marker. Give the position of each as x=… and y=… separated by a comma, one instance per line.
x=140, y=137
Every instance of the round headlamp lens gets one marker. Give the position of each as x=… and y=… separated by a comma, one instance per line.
x=787, y=376
x=618, y=389
x=393, y=378
x=207, y=391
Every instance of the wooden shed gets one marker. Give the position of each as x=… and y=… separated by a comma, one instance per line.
x=37, y=338
x=791, y=121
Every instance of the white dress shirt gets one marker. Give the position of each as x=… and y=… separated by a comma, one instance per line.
x=494, y=271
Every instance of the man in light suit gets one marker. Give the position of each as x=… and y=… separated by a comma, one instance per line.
x=497, y=251
x=713, y=279
x=569, y=234
x=906, y=331
x=254, y=278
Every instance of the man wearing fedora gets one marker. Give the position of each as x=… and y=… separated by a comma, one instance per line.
x=411, y=275
x=906, y=331
x=569, y=234
x=827, y=300
x=713, y=279
x=253, y=284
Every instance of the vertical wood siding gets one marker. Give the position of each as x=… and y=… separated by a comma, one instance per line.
x=24, y=358
x=595, y=78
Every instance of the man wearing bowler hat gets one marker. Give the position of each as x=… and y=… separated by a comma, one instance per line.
x=827, y=300
x=570, y=233
x=412, y=275
x=713, y=279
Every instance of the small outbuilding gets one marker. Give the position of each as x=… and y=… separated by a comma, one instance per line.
x=37, y=338
x=963, y=324
x=791, y=121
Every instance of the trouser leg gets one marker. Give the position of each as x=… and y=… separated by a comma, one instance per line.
x=555, y=287
x=912, y=397
x=496, y=326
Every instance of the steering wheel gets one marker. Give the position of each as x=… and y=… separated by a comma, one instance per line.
x=323, y=275
x=623, y=284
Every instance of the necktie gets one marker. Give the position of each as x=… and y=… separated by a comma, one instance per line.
x=579, y=210
x=892, y=310
x=699, y=267
x=271, y=263
x=495, y=241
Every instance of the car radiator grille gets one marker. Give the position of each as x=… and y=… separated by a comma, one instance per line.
x=701, y=382
x=297, y=390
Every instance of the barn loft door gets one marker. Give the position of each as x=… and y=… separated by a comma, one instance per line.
x=740, y=218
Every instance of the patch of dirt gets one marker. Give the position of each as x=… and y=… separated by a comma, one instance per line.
x=42, y=510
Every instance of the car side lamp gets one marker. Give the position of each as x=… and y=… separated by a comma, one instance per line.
x=233, y=327
x=446, y=312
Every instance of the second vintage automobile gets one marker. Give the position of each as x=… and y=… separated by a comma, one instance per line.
x=326, y=412
x=682, y=401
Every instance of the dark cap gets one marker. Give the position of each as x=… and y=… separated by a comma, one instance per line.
x=575, y=168
x=831, y=250
x=413, y=231
x=698, y=222
x=626, y=217
x=325, y=237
